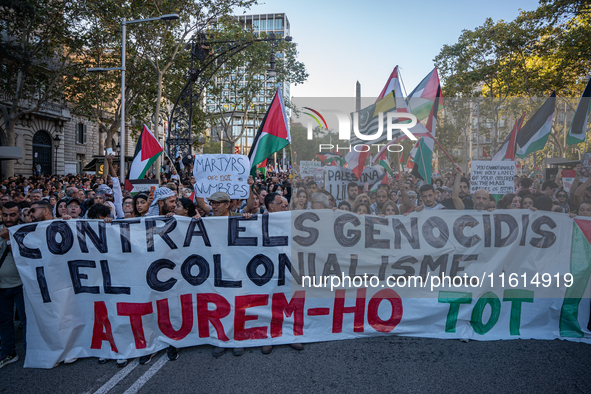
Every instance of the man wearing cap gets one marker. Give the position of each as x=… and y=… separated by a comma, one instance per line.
x=73, y=208
x=220, y=204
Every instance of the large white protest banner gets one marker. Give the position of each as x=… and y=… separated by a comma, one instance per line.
x=337, y=178
x=282, y=278
x=221, y=173
x=497, y=177
x=307, y=167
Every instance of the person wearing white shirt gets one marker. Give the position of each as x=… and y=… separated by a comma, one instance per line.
x=428, y=198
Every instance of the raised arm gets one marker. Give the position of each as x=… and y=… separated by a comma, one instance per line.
x=581, y=192
x=250, y=201
x=117, y=194
x=575, y=184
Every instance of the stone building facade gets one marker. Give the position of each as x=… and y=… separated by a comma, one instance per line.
x=37, y=135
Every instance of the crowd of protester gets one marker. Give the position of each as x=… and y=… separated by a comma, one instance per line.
x=39, y=198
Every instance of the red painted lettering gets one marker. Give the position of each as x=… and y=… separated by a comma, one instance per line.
x=340, y=310
x=206, y=316
x=101, y=320
x=240, y=317
x=164, y=318
x=135, y=311
x=295, y=307
x=372, y=310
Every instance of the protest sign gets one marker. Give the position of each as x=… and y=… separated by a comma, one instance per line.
x=337, y=178
x=236, y=282
x=307, y=167
x=568, y=176
x=146, y=186
x=497, y=177
x=221, y=173
x=319, y=176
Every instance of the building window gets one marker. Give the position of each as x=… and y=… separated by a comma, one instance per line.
x=278, y=24
x=81, y=133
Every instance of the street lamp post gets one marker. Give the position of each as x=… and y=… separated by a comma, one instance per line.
x=211, y=55
x=124, y=23
x=56, y=143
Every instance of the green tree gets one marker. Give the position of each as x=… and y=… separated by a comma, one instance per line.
x=232, y=94
x=38, y=39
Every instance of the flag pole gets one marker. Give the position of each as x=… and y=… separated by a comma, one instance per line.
x=441, y=147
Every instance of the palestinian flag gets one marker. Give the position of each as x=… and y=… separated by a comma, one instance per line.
x=330, y=158
x=393, y=85
x=507, y=150
x=382, y=179
x=382, y=160
x=262, y=167
x=356, y=159
x=534, y=135
x=578, y=128
x=273, y=134
x=421, y=99
x=580, y=268
x=147, y=150
x=423, y=158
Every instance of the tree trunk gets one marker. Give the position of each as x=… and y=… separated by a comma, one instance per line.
x=10, y=141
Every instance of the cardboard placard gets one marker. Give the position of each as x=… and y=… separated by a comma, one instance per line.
x=497, y=177
x=221, y=173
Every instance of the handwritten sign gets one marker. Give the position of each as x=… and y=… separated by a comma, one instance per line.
x=336, y=179
x=221, y=173
x=319, y=176
x=307, y=167
x=497, y=177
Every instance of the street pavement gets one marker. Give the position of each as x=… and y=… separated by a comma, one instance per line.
x=368, y=365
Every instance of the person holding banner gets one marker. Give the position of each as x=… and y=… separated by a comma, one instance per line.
x=562, y=200
x=73, y=208
x=509, y=201
x=141, y=205
x=381, y=199
x=301, y=201
x=460, y=195
x=164, y=204
x=11, y=289
x=427, y=195
x=352, y=192
x=273, y=201
x=40, y=211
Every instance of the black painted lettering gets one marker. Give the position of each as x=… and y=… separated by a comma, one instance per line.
x=77, y=276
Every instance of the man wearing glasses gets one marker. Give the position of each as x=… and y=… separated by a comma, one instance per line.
x=220, y=204
x=273, y=202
